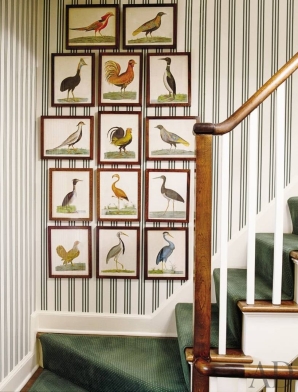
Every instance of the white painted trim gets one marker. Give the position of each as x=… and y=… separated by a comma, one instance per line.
x=160, y=323
x=19, y=376
x=295, y=279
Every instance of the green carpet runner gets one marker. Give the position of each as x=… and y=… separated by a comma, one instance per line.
x=112, y=363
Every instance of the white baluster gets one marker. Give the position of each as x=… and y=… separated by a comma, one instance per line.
x=223, y=243
x=279, y=189
x=252, y=206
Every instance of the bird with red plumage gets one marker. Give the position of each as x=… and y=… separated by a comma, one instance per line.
x=98, y=25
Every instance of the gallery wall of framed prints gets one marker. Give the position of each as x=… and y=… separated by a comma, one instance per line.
x=120, y=149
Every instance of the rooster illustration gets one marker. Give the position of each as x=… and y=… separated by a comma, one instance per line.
x=120, y=138
x=113, y=75
x=68, y=257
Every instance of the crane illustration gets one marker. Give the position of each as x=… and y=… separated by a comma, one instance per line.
x=165, y=251
x=117, y=250
x=169, y=194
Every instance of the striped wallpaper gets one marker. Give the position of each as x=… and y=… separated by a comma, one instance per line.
x=235, y=48
x=18, y=141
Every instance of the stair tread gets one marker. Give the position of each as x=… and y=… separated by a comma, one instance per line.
x=268, y=307
x=108, y=363
x=51, y=382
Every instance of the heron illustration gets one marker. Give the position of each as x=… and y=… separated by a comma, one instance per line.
x=119, y=193
x=165, y=251
x=169, y=194
x=117, y=250
x=69, y=198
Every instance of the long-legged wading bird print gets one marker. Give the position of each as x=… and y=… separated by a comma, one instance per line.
x=117, y=250
x=169, y=194
x=118, y=192
x=166, y=251
x=97, y=26
x=71, y=82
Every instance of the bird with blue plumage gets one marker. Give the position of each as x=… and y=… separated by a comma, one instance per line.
x=166, y=251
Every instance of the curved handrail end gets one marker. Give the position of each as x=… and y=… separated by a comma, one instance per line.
x=204, y=128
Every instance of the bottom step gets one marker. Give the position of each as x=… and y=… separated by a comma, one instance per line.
x=50, y=382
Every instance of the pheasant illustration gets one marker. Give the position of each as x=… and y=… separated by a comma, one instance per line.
x=113, y=75
x=120, y=138
x=73, y=138
x=96, y=26
x=67, y=257
x=150, y=26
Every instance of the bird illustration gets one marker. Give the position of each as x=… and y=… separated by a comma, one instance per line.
x=69, y=198
x=168, y=79
x=71, y=82
x=96, y=26
x=113, y=75
x=169, y=194
x=150, y=26
x=119, y=193
x=67, y=257
x=165, y=251
x=120, y=138
x=117, y=250
x=73, y=138
x=170, y=137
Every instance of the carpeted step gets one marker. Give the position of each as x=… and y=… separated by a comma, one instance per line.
x=50, y=382
x=112, y=363
x=184, y=324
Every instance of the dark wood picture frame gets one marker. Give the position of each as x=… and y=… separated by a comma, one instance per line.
x=62, y=182
x=170, y=138
x=167, y=195
x=67, y=137
x=69, y=251
x=92, y=26
x=120, y=81
x=168, y=79
x=119, y=138
x=166, y=253
x=73, y=79
x=118, y=194
x=117, y=252
x=154, y=26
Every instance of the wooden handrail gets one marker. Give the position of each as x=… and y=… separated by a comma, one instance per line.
x=254, y=101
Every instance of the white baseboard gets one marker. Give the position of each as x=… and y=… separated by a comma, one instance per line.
x=160, y=323
x=19, y=376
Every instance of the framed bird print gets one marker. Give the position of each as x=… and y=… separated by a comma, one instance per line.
x=170, y=138
x=71, y=194
x=120, y=81
x=65, y=137
x=92, y=26
x=119, y=137
x=168, y=79
x=117, y=252
x=73, y=79
x=118, y=194
x=166, y=253
x=167, y=195
x=150, y=26
x=69, y=251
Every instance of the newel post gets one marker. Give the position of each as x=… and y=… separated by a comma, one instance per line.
x=202, y=272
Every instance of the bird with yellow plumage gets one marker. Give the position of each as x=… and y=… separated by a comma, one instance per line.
x=68, y=256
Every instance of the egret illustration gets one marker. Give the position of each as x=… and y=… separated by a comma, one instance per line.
x=73, y=138
x=117, y=250
x=169, y=194
x=119, y=193
x=150, y=26
x=171, y=138
x=97, y=26
x=168, y=79
x=71, y=82
x=67, y=257
x=70, y=197
x=120, y=138
x=165, y=251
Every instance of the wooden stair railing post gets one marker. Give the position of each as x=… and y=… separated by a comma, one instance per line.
x=202, y=273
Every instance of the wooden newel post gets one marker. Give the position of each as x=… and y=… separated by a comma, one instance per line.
x=202, y=278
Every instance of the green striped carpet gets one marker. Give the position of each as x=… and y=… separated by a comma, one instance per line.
x=111, y=363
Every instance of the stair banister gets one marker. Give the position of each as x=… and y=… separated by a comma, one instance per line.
x=203, y=231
